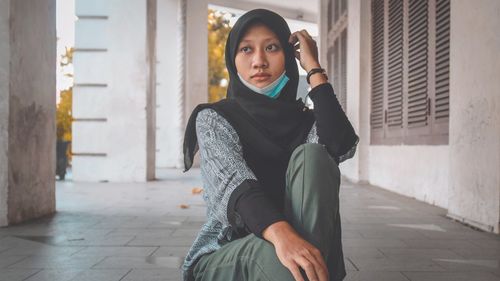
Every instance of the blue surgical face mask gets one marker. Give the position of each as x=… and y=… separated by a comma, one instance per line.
x=272, y=90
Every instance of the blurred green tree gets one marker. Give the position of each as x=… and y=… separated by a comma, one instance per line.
x=64, y=116
x=218, y=30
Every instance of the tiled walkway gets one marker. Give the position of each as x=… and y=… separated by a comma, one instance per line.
x=139, y=232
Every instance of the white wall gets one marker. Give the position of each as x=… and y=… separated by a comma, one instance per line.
x=110, y=133
x=196, y=55
x=474, y=157
x=358, y=89
x=169, y=98
x=418, y=171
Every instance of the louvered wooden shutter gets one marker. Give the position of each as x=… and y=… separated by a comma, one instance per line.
x=410, y=71
x=395, y=65
x=417, y=64
x=330, y=14
x=377, y=68
x=441, y=104
x=343, y=6
x=336, y=10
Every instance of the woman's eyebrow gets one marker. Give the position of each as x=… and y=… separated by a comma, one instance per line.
x=265, y=40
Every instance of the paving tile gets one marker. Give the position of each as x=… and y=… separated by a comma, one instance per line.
x=351, y=234
x=177, y=224
x=396, y=264
x=129, y=251
x=362, y=252
x=57, y=263
x=487, y=243
x=6, y=261
x=439, y=244
x=171, y=251
x=101, y=275
x=374, y=276
x=184, y=232
x=139, y=262
x=137, y=232
x=451, y=276
x=161, y=241
x=477, y=253
x=372, y=243
x=16, y=274
x=468, y=264
x=153, y=275
x=392, y=233
x=46, y=251
x=143, y=231
x=419, y=253
x=54, y=275
x=107, y=240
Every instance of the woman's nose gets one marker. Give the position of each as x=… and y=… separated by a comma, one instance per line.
x=259, y=59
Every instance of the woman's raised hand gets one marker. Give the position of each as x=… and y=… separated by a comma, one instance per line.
x=294, y=252
x=306, y=51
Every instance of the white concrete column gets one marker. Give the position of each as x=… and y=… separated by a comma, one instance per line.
x=474, y=159
x=113, y=97
x=27, y=109
x=323, y=32
x=358, y=87
x=196, y=66
x=170, y=108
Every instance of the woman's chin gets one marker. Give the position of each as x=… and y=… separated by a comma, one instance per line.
x=261, y=84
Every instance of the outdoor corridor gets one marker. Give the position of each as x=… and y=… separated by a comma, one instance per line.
x=141, y=231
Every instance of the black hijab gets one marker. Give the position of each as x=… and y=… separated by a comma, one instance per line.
x=269, y=129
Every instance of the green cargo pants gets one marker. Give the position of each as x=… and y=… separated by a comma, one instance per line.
x=311, y=206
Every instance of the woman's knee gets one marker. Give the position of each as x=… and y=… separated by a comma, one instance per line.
x=262, y=262
x=312, y=162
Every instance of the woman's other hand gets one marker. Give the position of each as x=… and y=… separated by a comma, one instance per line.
x=294, y=252
x=306, y=51
x=308, y=55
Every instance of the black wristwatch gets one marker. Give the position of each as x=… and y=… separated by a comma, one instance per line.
x=314, y=71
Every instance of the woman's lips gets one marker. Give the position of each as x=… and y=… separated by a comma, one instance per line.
x=261, y=77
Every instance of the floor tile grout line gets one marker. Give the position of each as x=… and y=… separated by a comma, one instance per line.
x=28, y=277
x=405, y=276
x=156, y=250
x=128, y=272
x=352, y=263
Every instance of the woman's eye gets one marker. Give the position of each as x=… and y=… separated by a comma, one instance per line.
x=245, y=49
x=272, y=47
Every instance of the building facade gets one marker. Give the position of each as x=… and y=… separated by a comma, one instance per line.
x=417, y=78
x=421, y=95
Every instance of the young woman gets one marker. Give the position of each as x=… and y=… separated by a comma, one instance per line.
x=269, y=165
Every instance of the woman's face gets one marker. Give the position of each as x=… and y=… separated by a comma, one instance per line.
x=260, y=59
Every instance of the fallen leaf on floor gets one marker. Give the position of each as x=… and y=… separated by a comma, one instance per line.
x=183, y=206
x=196, y=190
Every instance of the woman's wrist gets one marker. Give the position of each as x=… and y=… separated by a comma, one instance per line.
x=276, y=231
x=312, y=66
x=316, y=78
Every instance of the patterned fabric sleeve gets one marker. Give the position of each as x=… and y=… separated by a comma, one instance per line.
x=222, y=165
x=313, y=138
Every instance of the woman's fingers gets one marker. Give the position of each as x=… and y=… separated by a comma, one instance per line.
x=297, y=55
x=293, y=38
x=294, y=269
x=319, y=264
x=317, y=255
x=309, y=267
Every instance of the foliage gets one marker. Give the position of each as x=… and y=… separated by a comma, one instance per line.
x=218, y=30
x=64, y=115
